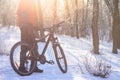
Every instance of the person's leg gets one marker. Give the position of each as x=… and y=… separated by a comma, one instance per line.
x=24, y=49
x=27, y=36
x=31, y=41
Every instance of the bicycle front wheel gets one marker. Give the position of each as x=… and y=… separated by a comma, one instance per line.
x=29, y=61
x=60, y=58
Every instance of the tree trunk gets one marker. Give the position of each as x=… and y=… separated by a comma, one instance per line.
x=115, y=27
x=39, y=17
x=86, y=18
x=67, y=8
x=55, y=11
x=95, y=27
x=83, y=26
x=76, y=19
x=107, y=2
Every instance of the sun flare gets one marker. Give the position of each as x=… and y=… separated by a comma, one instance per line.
x=55, y=10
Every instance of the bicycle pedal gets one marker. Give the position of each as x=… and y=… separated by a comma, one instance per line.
x=51, y=62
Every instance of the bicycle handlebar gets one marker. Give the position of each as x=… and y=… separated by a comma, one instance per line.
x=55, y=25
x=50, y=29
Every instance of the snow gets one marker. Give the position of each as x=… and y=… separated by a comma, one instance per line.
x=74, y=50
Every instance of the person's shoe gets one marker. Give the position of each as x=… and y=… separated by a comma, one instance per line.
x=38, y=70
x=22, y=69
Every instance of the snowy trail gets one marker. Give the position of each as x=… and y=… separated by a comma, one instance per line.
x=74, y=50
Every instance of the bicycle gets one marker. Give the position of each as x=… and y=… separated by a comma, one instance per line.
x=32, y=58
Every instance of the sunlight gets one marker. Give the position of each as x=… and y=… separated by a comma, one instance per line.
x=48, y=8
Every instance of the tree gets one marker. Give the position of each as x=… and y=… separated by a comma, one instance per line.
x=76, y=19
x=55, y=11
x=114, y=10
x=95, y=26
x=7, y=13
x=39, y=16
x=116, y=26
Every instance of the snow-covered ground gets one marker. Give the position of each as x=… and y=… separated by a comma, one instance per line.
x=74, y=50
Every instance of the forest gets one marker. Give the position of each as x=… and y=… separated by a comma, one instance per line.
x=90, y=26
x=96, y=19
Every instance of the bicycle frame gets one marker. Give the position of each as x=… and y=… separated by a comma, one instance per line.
x=51, y=38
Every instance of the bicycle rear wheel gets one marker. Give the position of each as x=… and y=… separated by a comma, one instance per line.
x=29, y=59
x=60, y=58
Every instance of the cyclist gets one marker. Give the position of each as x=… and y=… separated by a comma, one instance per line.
x=26, y=21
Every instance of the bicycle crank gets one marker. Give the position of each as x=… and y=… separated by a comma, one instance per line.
x=42, y=59
x=50, y=62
